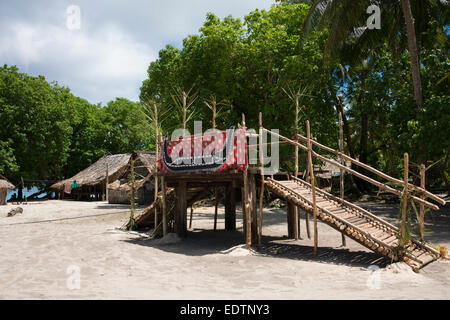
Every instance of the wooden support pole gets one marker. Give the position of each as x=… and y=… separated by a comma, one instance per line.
x=296, y=209
x=155, y=111
x=216, y=200
x=181, y=209
x=253, y=202
x=341, y=176
x=313, y=188
x=190, y=219
x=230, y=208
x=422, y=206
x=246, y=204
x=216, y=205
x=107, y=182
x=184, y=109
x=405, y=199
x=261, y=194
x=164, y=205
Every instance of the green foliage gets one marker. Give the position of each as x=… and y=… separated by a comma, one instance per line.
x=47, y=133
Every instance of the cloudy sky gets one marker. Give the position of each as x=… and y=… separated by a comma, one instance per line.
x=106, y=53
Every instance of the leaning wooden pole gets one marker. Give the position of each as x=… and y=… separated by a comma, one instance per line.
x=155, y=111
x=313, y=188
x=405, y=199
x=341, y=176
x=261, y=194
x=422, y=206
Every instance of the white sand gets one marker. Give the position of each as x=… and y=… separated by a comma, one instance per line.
x=41, y=248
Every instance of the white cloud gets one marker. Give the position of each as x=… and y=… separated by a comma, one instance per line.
x=106, y=63
x=109, y=56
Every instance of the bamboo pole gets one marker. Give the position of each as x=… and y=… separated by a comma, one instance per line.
x=261, y=195
x=107, y=182
x=341, y=177
x=184, y=109
x=296, y=218
x=216, y=202
x=164, y=209
x=373, y=170
x=380, y=185
x=313, y=188
x=405, y=199
x=422, y=207
x=164, y=204
x=155, y=109
x=245, y=204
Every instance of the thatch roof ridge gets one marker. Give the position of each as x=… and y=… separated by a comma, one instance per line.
x=5, y=184
x=148, y=159
x=96, y=173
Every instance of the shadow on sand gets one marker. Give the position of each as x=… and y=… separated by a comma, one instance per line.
x=204, y=242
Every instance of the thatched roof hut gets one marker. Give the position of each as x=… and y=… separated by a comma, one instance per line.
x=92, y=180
x=4, y=186
x=145, y=166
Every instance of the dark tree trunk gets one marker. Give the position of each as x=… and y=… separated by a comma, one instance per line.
x=413, y=52
x=415, y=71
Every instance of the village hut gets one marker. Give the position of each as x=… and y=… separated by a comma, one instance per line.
x=145, y=166
x=4, y=186
x=91, y=183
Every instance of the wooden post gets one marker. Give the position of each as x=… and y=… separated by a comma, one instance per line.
x=190, y=219
x=107, y=182
x=184, y=109
x=216, y=202
x=155, y=110
x=405, y=198
x=313, y=188
x=422, y=206
x=216, y=205
x=341, y=176
x=261, y=195
x=180, y=209
x=253, y=200
x=296, y=218
x=246, y=204
x=230, y=208
x=164, y=205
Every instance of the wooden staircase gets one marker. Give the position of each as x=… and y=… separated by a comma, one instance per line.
x=353, y=221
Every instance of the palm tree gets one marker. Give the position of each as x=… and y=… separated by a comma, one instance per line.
x=346, y=21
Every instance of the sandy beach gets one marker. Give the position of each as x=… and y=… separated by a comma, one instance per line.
x=45, y=250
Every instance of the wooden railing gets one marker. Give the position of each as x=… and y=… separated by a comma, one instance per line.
x=408, y=188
